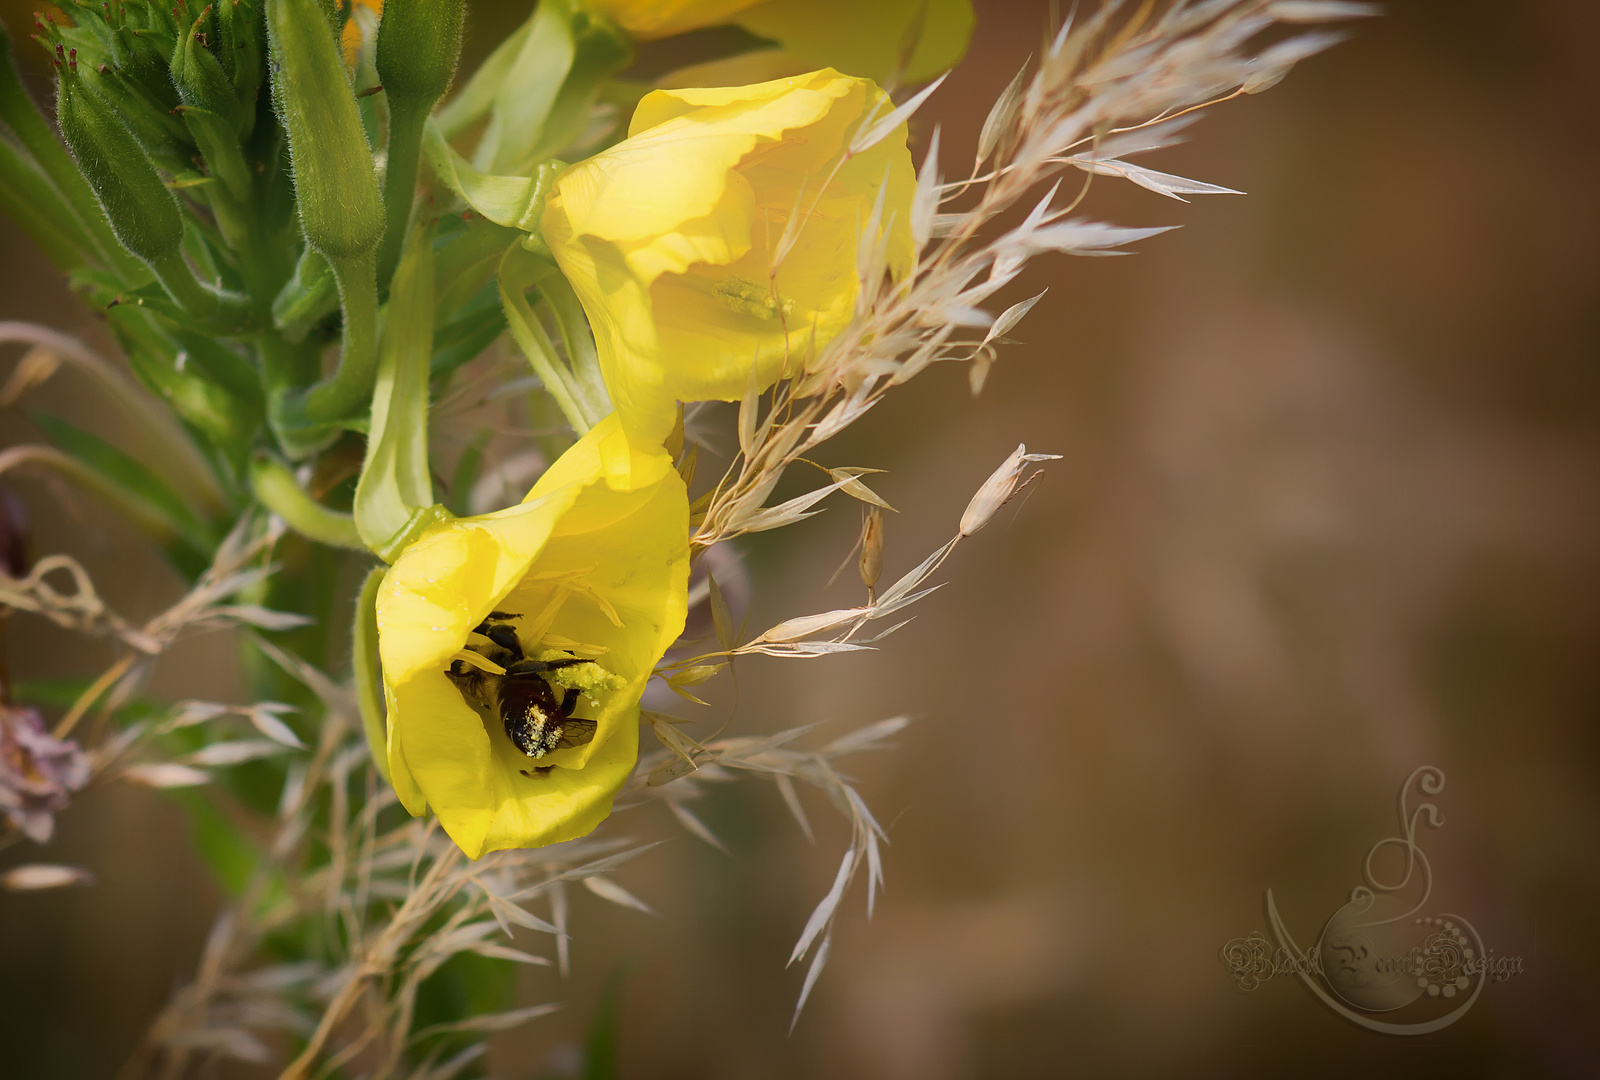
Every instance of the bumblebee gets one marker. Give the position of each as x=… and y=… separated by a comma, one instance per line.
x=535, y=722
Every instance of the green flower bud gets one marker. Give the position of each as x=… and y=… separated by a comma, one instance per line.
x=243, y=33
x=198, y=75
x=158, y=130
x=419, y=42
x=335, y=182
x=143, y=214
x=212, y=113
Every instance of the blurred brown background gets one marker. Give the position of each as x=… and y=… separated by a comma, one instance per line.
x=1328, y=512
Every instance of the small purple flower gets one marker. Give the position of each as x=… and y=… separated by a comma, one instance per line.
x=37, y=771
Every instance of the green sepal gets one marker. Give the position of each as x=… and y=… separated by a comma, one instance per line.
x=543, y=101
x=366, y=672
x=395, y=480
x=136, y=481
x=143, y=214
x=341, y=210
x=516, y=202
x=417, y=524
x=473, y=101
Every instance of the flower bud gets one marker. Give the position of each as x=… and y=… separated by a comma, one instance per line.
x=240, y=29
x=141, y=96
x=198, y=75
x=419, y=42
x=335, y=183
x=143, y=214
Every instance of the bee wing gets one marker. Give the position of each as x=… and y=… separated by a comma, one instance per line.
x=576, y=732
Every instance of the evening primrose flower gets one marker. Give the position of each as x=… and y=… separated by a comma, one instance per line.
x=593, y=564
x=677, y=240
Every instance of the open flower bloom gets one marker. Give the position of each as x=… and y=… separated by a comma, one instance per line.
x=678, y=240
x=593, y=563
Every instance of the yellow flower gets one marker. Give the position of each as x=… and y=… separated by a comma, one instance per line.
x=594, y=562
x=669, y=237
x=646, y=19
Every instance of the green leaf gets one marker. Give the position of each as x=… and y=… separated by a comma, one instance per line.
x=466, y=337
x=136, y=481
x=225, y=847
x=466, y=258
x=602, y=1050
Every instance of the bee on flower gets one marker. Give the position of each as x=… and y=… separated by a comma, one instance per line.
x=515, y=646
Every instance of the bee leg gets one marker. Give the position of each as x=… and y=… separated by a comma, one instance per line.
x=538, y=771
x=569, y=701
x=505, y=637
x=537, y=666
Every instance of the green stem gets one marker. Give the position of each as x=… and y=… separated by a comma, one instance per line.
x=213, y=310
x=364, y=663
x=303, y=417
x=275, y=488
x=407, y=119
